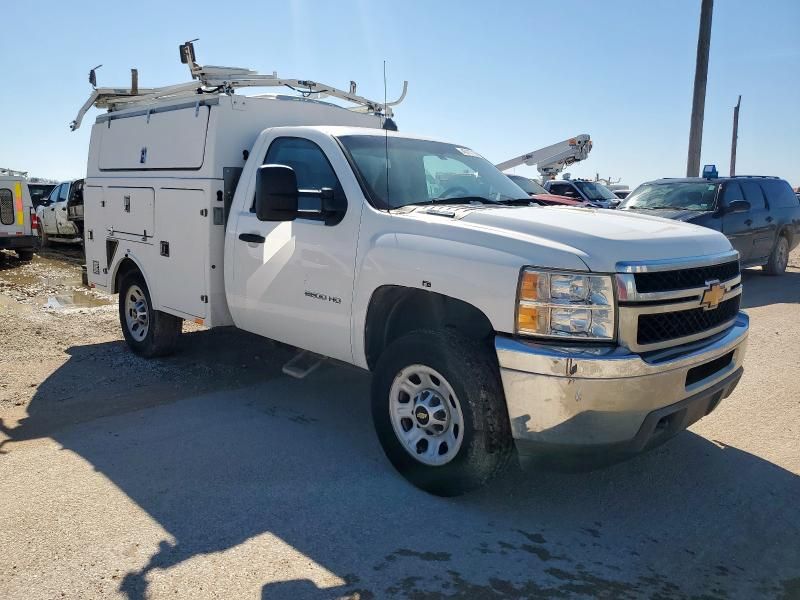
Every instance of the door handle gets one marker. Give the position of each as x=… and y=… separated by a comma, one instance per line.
x=748, y=222
x=252, y=238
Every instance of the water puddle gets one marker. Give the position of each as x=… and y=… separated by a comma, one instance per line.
x=74, y=299
x=49, y=283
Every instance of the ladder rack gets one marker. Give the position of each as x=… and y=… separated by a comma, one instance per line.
x=209, y=79
x=13, y=173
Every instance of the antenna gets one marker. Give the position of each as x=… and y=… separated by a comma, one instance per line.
x=386, y=139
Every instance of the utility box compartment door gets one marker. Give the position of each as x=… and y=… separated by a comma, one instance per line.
x=162, y=140
x=95, y=233
x=131, y=211
x=182, y=247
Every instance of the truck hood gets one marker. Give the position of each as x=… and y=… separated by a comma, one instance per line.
x=601, y=238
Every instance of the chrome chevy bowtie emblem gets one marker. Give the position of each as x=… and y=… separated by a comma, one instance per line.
x=712, y=295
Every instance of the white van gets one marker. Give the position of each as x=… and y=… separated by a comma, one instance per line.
x=17, y=218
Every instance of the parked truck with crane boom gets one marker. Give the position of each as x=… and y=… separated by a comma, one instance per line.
x=553, y=159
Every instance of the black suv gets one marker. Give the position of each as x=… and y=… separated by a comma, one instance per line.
x=760, y=215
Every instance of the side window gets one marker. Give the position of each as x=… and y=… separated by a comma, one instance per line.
x=778, y=193
x=753, y=194
x=733, y=191
x=53, y=194
x=564, y=189
x=569, y=191
x=76, y=194
x=62, y=195
x=310, y=165
x=6, y=207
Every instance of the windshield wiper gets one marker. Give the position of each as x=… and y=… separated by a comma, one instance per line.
x=518, y=202
x=655, y=207
x=453, y=200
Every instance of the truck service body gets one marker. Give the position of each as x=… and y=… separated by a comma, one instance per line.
x=487, y=324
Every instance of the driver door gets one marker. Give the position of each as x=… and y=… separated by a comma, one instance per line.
x=294, y=283
x=49, y=212
x=738, y=227
x=63, y=226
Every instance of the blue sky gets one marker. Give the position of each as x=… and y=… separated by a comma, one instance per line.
x=501, y=77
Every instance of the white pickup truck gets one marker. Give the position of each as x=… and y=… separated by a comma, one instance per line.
x=488, y=324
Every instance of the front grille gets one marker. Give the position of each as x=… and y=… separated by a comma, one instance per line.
x=663, y=327
x=6, y=207
x=684, y=279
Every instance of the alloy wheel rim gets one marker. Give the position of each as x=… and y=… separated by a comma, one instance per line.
x=137, y=313
x=426, y=415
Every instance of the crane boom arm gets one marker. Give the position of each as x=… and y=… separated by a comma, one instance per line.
x=552, y=159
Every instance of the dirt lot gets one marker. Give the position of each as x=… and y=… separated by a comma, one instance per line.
x=210, y=474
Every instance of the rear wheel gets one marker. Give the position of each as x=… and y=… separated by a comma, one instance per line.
x=148, y=332
x=779, y=259
x=440, y=413
x=25, y=255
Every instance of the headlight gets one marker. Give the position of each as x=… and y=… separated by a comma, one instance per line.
x=556, y=305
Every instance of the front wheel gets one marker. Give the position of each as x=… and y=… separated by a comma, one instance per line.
x=779, y=259
x=148, y=332
x=440, y=413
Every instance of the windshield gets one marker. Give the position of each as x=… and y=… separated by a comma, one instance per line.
x=684, y=195
x=529, y=185
x=424, y=172
x=595, y=191
x=39, y=191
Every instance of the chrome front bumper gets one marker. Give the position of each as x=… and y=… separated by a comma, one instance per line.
x=573, y=397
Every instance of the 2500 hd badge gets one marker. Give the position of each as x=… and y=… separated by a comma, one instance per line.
x=323, y=297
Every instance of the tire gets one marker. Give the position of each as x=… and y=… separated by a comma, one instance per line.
x=149, y=332
x=779, y=258
x=44, y=240
x=25, y=255
x=473, y=443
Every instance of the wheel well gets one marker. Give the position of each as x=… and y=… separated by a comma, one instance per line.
x=395, y=310
x=126, y=266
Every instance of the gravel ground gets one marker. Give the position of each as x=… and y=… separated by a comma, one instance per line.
x=209, y=474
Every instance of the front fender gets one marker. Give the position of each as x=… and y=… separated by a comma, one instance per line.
x=476, y=273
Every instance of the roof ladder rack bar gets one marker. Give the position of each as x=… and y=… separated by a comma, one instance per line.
x=211, y=79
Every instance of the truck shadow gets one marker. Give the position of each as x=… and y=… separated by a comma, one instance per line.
x=221, y=464
x=763, y=290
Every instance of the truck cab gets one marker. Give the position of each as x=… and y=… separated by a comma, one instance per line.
x=489, y=325
x=61, y=213
x=593, y=193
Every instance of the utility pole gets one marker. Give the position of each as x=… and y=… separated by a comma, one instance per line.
x=735, y=137
x=699, y=97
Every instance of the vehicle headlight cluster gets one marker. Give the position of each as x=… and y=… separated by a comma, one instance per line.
x=556, y=305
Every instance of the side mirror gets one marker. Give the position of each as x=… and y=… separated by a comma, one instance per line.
x=276, y=193
x=738, y=206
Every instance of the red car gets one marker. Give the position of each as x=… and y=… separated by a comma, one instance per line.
x=541, y=195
